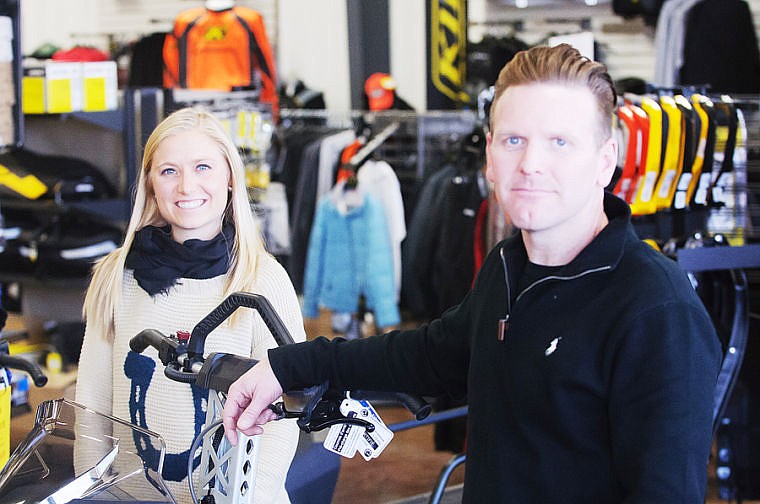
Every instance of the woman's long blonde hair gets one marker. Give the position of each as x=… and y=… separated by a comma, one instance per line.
x=104, y=293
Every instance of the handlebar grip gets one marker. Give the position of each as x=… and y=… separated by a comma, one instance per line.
x=38, y=377
x=419, y=407
x=234, y=301
x=221, y=370
x=146, y=338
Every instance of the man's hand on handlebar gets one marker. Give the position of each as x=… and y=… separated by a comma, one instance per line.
x=248, y=399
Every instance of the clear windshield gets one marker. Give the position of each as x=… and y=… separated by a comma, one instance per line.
x=74, y=454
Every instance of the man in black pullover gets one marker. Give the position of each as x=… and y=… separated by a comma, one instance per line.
x=587, y=360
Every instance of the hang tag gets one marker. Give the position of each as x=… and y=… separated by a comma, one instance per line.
x=370, y=444
x=342, y=439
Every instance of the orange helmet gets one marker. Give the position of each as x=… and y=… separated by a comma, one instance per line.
x=380, y=90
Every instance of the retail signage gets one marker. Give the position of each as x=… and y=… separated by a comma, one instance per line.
x=447, y=53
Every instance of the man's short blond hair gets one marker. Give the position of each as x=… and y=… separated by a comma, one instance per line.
x=561, y=64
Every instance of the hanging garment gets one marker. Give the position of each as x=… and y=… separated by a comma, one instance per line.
x=272, y=211
x=220, y=50
x=416, y=253
x=720, y=48
x=146, y=64
x=438, y=255
x=304, y=207
x=329, y=157
x=669, y=41
x=644, y=201
x=378, y=179
x=350, y=255
x=316, y=175
x=691, y=131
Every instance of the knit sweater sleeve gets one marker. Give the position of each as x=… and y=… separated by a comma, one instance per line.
x=94, y=389
x=94, y=386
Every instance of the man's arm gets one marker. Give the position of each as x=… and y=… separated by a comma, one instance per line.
x=661, y=404
x=430, y=360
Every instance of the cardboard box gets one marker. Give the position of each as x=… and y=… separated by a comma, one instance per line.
x=99, y=86
x=63, y=87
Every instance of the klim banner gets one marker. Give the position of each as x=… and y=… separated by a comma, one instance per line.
x=446, y=53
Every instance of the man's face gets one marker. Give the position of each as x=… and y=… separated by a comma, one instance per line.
x=546, y=158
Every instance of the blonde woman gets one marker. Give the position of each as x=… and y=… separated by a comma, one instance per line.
x=191, y=241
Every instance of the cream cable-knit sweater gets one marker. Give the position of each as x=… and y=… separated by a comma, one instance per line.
x=169, y=408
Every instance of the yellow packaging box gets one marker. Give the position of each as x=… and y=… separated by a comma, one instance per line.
x=99, y=86
x=63, y=87
x=33, y=91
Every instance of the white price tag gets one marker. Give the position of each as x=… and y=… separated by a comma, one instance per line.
x=342, y=439
x=370, y=444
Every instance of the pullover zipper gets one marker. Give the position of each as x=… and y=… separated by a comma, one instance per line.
x=504, y=323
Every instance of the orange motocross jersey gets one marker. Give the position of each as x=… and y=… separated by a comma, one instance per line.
x=220, y=50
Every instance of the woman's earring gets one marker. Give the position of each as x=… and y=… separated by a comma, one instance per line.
x=229, y=188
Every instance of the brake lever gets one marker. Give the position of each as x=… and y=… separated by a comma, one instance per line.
x=316, y=410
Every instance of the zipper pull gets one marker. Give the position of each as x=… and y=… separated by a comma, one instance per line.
x=503, y=328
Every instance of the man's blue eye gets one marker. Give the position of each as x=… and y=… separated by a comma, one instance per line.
x=560, y=142
x=513, y=140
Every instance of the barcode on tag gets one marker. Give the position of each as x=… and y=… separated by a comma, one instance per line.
x=369, y=444
x=342, y=439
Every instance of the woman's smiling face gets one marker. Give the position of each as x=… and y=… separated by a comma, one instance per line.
x=190, y=178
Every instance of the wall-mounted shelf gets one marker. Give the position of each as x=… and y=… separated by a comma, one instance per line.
x=113, y=210
x=719, y=258
x=108, y=119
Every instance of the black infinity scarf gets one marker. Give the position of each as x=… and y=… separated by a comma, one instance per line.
x=158, y=261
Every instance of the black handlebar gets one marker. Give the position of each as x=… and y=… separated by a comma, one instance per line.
x=38, y=377
x=185, y=363
x=146, y=338
x=226, y=308
x=419, y=407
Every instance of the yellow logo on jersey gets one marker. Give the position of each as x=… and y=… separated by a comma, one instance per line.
x=215, y=33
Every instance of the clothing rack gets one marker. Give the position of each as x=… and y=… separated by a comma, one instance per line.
x=331, y=118
x=419, y=145
x=715, y=203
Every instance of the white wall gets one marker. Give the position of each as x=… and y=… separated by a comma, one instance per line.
x=312, y=46
x=56, y=21
x=310, y=37
x=69, y=22
x=407, y=51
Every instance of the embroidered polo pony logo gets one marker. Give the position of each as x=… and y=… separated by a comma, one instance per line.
x=552, y=346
